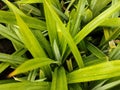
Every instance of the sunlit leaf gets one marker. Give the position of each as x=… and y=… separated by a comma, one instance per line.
x=26, y=86
x=111, y=22
x=32, y=64
x=61, y=28
x=30, y=1
x=96, y=72
x=59, y=77
x=29, y=40
x=51, y=24
x=26, y=35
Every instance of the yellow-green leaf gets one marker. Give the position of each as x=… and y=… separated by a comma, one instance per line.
x=96, y=72
x=31, y=64
x=59, y=81
x=25, y=86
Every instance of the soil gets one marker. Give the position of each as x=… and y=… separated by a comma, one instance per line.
x=6, y=47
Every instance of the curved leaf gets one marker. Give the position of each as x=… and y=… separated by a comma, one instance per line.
x=31, y=64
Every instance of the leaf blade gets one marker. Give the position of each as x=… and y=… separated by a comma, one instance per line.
x=26, y=86
x=97, y=52
x=31, y=64
x=106, y=70
x=59, y=77
x=62, y=29
x=96, y=22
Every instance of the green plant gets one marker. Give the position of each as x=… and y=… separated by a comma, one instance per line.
x=74, y=44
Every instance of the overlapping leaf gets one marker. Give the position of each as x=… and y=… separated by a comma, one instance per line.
x=28, y=38
x=9, y=35
x=98, y=53
x=61, y=28
x=31, y=22
x=96, y=22
x=12, y=58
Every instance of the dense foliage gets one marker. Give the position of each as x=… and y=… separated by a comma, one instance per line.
x=61, y=44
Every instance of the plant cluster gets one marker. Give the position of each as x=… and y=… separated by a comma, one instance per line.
x=72, y=44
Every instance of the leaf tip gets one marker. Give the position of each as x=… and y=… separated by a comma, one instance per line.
x=11, y=74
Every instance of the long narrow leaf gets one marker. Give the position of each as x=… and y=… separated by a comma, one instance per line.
x=93, y=24
x=62, y=29
x=27, y=36
x=9, y=35
x=98, y=53
x=111, y=22
x=31, y=22
x=30, y=8
x=32, y=64
x=11, y=59
x=75, y=25
x=109, y=85
x=97, y=5
x=26, y=86
x=43, y=42
x=96, y=22
x=51, y=24
x=30, y=40
x=30, y=1
x=59, y=81
x=95, y=72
